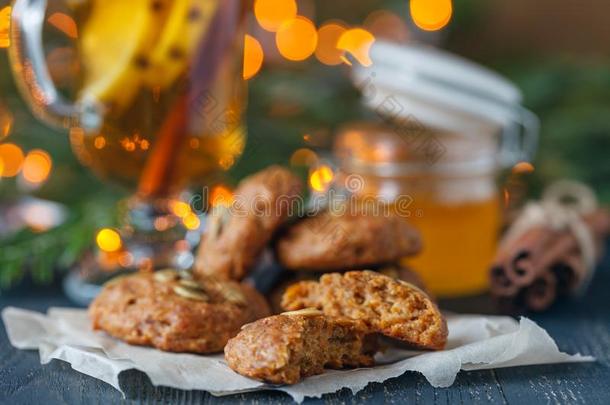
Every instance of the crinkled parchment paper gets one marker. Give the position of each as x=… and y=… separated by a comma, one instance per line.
x=475, y=342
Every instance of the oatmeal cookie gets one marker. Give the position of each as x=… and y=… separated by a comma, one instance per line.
x=285, y=348
x=236, y=236
x=175, y=312
x=351, y=240
x=391, y=307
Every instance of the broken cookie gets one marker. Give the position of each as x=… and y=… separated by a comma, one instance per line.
x=388, y=306
x=285, y=348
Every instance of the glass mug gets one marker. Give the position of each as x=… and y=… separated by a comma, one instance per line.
x=158, y=102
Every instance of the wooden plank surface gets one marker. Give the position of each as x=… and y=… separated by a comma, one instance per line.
x=582, y=326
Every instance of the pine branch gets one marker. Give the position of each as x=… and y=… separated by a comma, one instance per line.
x=41, y=254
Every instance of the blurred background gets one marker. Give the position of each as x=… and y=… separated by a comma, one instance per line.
x=556, y=51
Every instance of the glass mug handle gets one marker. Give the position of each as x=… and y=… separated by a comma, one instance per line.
x=31, y=73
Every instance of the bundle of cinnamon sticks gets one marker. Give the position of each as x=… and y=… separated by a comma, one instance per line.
x=544, y=263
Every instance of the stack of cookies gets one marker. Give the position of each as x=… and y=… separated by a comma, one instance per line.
x=335, y=310
x=351, y=238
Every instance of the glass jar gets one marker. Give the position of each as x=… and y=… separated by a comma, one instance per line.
x=443, y=129
x=446, y=188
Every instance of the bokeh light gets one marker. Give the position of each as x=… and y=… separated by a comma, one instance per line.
x=162, y=223
x=5, y=27
x=41, y=215
x=297, y=39
x=221, y=195
x=191, y=221
x=37, y=166
x=180, y=208
x=253, y=57
x=12, y=159
x=64, y=23
x=108, y=240
x=99, y=142
x=320, y=178
x=357, y=42
x=304, y=157
x=431, y=15
x=271, y=14
x=328, y=38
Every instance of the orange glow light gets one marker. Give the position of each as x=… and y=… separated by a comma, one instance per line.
x=5, y=27
x=191, y=221
x=108, y=240
x=358, y=42
x=523, y=168
x=431, y=15
x=12, y=159
x=180, y=208
x=64, y=23
x=128, y=144
x=221, y=195
x=303, y=157
x=320, y=179
x=297, y=39
x=37, y=166
x=328, y=37
x=99, y=142
x=161, y=223
x=271, y=14
x=253, y=57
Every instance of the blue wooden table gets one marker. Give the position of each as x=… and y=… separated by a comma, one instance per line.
x=582, y=326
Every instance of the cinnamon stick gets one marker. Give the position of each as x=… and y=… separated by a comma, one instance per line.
x=569, y=272
x=515, y=256
x=542, y=293
x=500, y=284
x=159, y=171
x=533, y=270
x=599, y=224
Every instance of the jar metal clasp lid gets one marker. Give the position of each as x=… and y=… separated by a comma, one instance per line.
x=445, y=92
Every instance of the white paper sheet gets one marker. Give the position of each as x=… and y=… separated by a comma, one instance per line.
x=475, y=342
